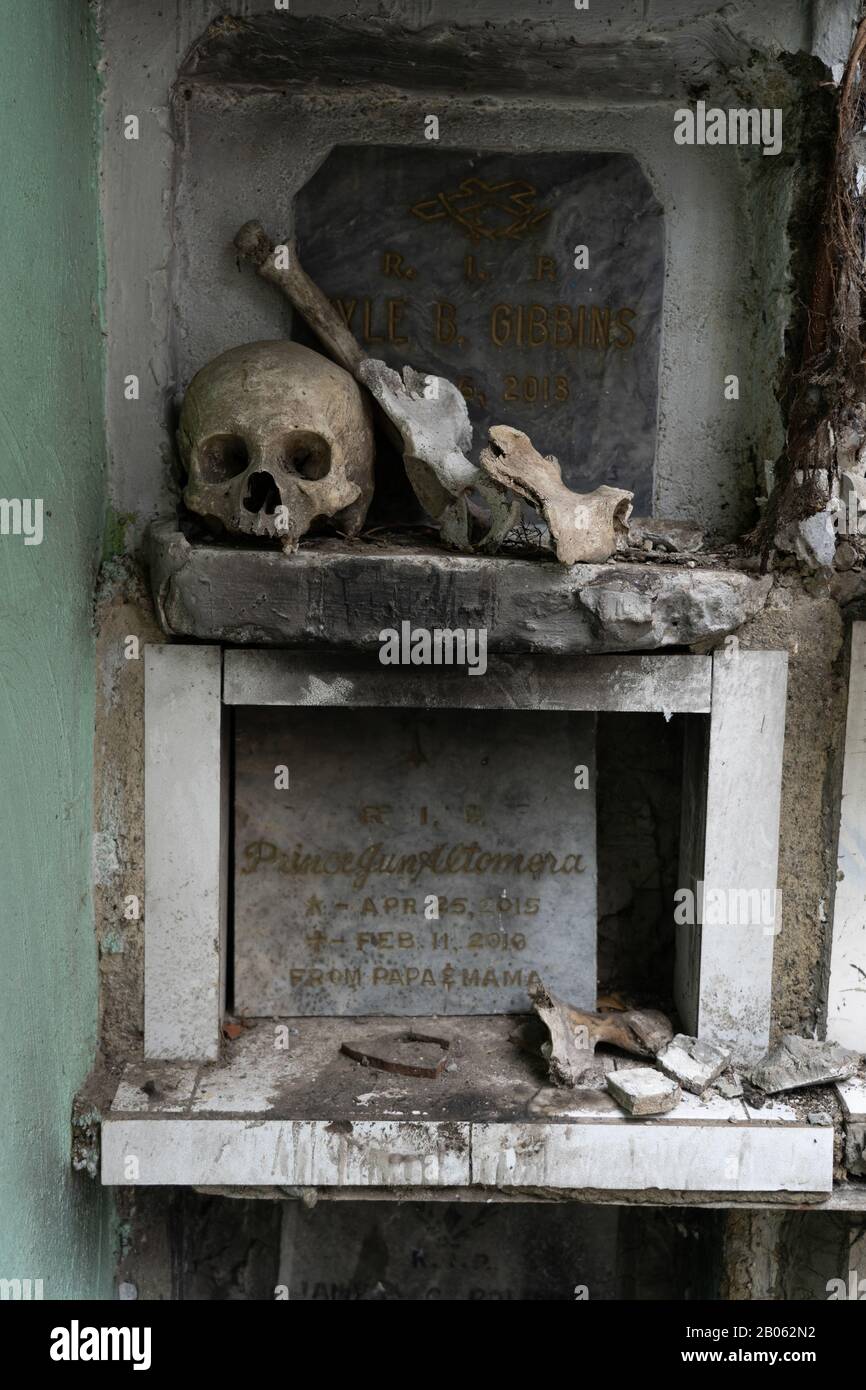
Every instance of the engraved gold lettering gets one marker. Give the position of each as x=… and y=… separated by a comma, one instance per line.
x=375, y=860
x=600, y=332
x=369, y=335
x=563, y=328
x=395, y=309
x=623, y=321
x=445, y=321
x=471, y=270
x=537, y=325
x=394, y=266
x=545, y=268
x=346, y=308
x=500, y=324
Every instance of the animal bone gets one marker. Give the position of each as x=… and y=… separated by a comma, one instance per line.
x=427, y=413
x=584, y=526
x=253, y=244
x=433, y=420
x=574, y=1034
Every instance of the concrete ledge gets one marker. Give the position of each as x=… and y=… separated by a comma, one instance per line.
x=309, y=1117
x=615, y=1154
x=342, y=594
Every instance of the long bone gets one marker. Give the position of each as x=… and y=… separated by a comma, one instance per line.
x=427, y=414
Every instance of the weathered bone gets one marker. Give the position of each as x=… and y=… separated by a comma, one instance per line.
x=428, y=413
x=433, y=420
x=574, y=1034
x=253, y=243
x=584, y=526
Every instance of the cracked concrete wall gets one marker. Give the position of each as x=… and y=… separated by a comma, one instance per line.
x=794, y=1255
x=804, y=621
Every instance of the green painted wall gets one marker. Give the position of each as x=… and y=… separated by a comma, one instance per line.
x=54, y=1224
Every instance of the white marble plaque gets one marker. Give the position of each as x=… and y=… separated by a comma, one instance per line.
x=416, y=863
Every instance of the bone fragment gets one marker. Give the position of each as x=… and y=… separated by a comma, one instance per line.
x=427, y=413
x=253, y=244
x=574, y=1035
x=585, y=527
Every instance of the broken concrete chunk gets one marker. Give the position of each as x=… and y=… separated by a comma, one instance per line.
x=679, y=537
x=797, y=1062
x=692, y=1062
x=643, y=1091
x=812, y=540
x=729, y=1085
x=585, y=527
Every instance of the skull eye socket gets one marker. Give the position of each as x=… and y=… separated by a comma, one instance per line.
x=308, y=455
x=223, y=457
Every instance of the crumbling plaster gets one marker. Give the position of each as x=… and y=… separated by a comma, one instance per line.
x=809, y=627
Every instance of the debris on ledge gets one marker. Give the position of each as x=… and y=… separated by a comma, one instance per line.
x=693, y=1062
x=643, y=1091
x=797, y=1062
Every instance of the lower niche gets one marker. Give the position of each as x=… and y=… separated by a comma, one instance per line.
x=415, y=862
x=467, y=1252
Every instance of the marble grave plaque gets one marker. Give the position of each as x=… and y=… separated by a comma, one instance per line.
x=418, y=862
x=463, y=264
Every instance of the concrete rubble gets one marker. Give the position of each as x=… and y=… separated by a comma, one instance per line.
x=797, y=1062
x=692, y=1062
x=656, y=533
x=729, y=1085
x=643, y=1091
x=812, y=540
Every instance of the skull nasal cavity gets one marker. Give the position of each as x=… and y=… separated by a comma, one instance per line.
x=262, y=494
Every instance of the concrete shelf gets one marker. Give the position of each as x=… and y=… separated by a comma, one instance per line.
x=343, y=594
x=273, y=1117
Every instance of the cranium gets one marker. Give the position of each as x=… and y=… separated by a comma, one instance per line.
x=273, y=437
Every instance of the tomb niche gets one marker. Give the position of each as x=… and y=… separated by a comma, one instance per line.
x=533, y=282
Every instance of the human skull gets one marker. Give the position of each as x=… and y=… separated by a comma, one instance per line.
x=274, y=436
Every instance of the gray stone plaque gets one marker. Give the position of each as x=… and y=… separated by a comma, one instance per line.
x=416, y=863
x=463, y=264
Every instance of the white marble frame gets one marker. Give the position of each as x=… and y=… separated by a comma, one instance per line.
x=723, y=973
